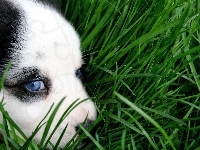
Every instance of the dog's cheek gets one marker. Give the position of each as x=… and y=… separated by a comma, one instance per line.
x=26, y=115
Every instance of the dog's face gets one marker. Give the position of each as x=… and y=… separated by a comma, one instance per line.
x=45, y=53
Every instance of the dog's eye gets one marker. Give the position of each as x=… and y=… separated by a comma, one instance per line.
x=79, y=74
x=35, y=86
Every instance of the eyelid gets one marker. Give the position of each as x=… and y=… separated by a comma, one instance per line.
x=44, y=80
x=32, y=80
x=25, y=74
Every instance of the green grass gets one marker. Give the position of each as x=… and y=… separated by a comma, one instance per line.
x=142, y=59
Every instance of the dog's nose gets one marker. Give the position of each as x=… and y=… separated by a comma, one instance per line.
x=85, y=124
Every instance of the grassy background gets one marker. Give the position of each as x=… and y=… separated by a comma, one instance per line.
x=142, y=61
x=142, y=65
x=143, y=70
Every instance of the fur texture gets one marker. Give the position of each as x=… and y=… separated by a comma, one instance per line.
x=44, y=50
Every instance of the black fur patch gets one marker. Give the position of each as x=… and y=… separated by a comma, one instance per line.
x=10, y=17
x=51, y=3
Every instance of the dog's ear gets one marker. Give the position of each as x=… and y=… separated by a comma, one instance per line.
x=5, y=19
x=5, y=24
x=8, y=19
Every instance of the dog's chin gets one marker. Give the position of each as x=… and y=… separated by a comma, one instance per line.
x=84, y=143
x=82, y=146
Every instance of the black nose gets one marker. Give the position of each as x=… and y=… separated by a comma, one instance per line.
x=85, y=124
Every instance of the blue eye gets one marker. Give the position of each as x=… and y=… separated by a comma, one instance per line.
x=35, y=86
x=79, y=74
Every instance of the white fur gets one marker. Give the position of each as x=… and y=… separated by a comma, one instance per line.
x=46, y=32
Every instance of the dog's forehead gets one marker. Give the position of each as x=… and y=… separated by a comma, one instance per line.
x=48, y=39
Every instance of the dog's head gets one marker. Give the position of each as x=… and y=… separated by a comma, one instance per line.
x=44, y=50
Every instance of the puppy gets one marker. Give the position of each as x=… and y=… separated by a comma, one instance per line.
x=44, y=51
